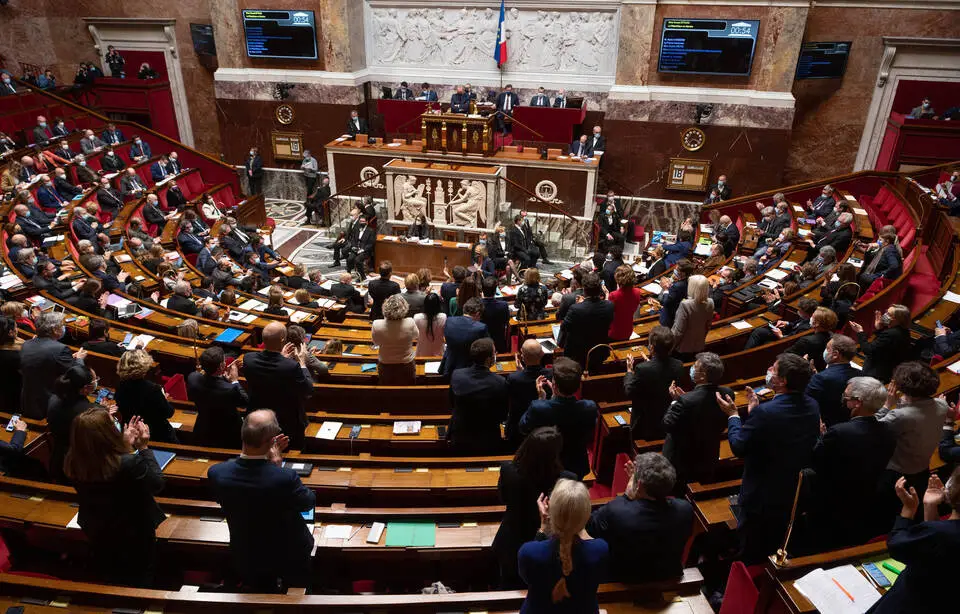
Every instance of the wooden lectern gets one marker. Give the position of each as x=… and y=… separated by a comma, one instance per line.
x=469, y=135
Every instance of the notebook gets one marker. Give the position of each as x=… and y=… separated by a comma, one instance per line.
x=163, y=457
x=228, y=335
x=411, y=534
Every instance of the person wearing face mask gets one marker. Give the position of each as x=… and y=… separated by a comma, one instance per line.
x=827, y=385
x=883, y=259
x=924, y=111
x=647, y=383
x=132, y=185
x=140, y=150
x=60, y=128
x=28, y=226
x=41, y=132
x=822, y=322
x=110, y=200
x=175, y=166
x=694, y=423
x=90, y=143
x=253, y=168
x=7, y=86
x=71, y=399
x=26, y=263
x=85, y=174
x=722, y=188
x=419, y=229
x=63, y=150
x=176, y=199
x=838, y=237
x=824, y=203
x=48, y=195
x=775, y=439
x=848, y=462
x=610, y=233
x=111, y=162
x=891, y=344
x=42, y=360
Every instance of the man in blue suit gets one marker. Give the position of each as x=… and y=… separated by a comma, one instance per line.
x=586, y=324
x=112, y=136
x=775, y=441
x=48, y=196
x=188, y=241
x=496, y=314
x=522, y=386
x=460, y=332
x=826, y=387
x=479, y=400
x=83, y=228
x=575, y=419
x=671, y=298
x=460, y=101
x=140, y=150
x=426, y=93
x=160, y=169
x=263, y=502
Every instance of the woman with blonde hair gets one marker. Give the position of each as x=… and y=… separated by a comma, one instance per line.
x=395, y=335
x=138, y=394
x=275, y=302
x=657, y=263
x=562, y=573
x=693, y=319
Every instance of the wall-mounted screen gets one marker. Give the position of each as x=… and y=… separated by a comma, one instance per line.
x=280, y=34
x=202, y=35
x=708, y=46
x=823, y=60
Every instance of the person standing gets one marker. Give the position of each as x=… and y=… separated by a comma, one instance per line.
x=42, y=360
x=891, y=344
x=269, y=542
x=459, y=333
x=138, y=394
x=116, y=477
x=479, y=400
x=522, y=386
x=310, y=170
x=254, y=171
x=216, y=393
x=694, y=316
x=395, y=334
x=827, y=386
x=648, y=383
x=379, y=290
x=775, y=441
x=507, y=100
x=430, y=324
x=586, y=324
x=115, y=62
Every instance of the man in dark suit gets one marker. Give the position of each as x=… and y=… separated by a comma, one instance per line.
x=176, y=199
x=253, y=168
x=160, y=169
x=278, y=379
x=479, y=401
x=48, y=196
x=426, y=93
x=217, y=395
x=111, y=162
x=449, y=288
x=109, y=199
x=41, y=132
x=269, y=542
x=598, y=142
x=403, y=92
x=85, y=174
x=63, y=150
x=7, y=87
x=694, y=423
x=90, y=143
x=812, y=346
x=761, y=335
x=361, y=248
x=838, y=238
x=507, y=100
x=648, y=383
x=175, y=166
x=356, y=124
x=522, y=386
x=46, y=279
x=560, y=102
x=846, y=467
x=112, y=135
x=60, y=128
x=722, y=187
x=496, y=314
x=586, y=324
x=188, y=242
x=575, y=419
x=541, y=99
x=131, y=185
x=42, y=360
x=181, y=300
x=460, y=333
x=728, y=234
x=83, y=226
x=581, y=147
x=29, y=227
x=826, y=387
x=671, y=298
x=153, y=215
x=645, y=519
x=613, y=261
x=344, y=290
x=460, y=101
x=381, y=289
x=519, y=249
x=775, y=441
x=140, y=150
x=823, y=205
x=63, y=186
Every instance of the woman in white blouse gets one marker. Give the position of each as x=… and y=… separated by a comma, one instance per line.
x=209, y=209
x=395, y=334
x=430, y=323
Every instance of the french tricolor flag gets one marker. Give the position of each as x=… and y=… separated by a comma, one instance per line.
x=500, y=53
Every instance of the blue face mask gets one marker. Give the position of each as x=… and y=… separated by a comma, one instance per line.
x=693, y=374
x=43, y=124
x=482, y=241
x=826, y=356
x=769, y=380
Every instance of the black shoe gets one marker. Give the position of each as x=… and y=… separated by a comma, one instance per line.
x=545, y=261
x=336, y=263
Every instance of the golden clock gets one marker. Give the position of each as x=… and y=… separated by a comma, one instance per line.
x=693, y=139
x=284, y=114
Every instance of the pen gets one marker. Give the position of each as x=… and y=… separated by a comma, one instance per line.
x=890, y=568
x=845, y=592
x=363, y=525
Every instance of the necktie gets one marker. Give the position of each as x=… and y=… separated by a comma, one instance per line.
x=509, y=100
x=563, y=103
x=356, y=123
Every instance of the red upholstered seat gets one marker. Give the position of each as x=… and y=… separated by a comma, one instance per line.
x=741, y=594
x=906, y=240
x=192, y=184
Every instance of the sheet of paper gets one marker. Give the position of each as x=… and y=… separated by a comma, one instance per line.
x=842, y=590
x=803, y=232
x=954, y=368
x=777, y=274
x=951, y=296
x=851, y=197
x=798, y=208
x=337, y=531
x=328, y=430
x=859, y=211
x=566, y=274
x=653, y=288
x=787, y=264
x=74, y=524
x=741, y=325
x=702, y=250
x=706, y=228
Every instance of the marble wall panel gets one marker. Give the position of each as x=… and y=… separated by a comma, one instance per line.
x=636, y=42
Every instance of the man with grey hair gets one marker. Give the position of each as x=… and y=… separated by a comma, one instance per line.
x=269, y=543
x=42, y=360
x=181, y=300
x=838, y=238
x=847, y=465
x=694, y=423
x=822, y=206
x=645, y=528
x=827, y=387
x=98, y=266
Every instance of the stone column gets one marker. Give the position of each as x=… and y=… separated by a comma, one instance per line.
x=778, y=62
x=636, y=40
x=341, y=25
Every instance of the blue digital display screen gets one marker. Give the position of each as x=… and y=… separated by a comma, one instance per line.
x=280, y=34
x=823, y=60
x=708, y=46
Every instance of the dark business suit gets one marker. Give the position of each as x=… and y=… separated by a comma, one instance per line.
x=132, y=185
x=42, y=361
x=403, y=93
x=32, y=229
x=110, y=201
x=585, y=326
x=83, y=229
x=112, y=163
x=479, y=401
x=349, y=294
x=65, y=188
x=890, y=266
x=847, y=464
x=506, y=103
x=838, y=238
x=648, y=387
x=729, y=238
x=182, y=304
x=379, y=291
x=278, y=383
x=889, y=348
x=522, y=390
x=159, y=170
x=460, y=103
x=775, y=442
x=519, y=249
x=575, y=419
x=145, y=398
x=694, y=424
x=670, y=302
x=176, y=199
x=140, y=151
x=826, y=388
x=268, y=538
x=189, y=242
x=657, y=529
x=112, y=137
x=597, y=142
x=253, y=168
x=496, y=315
x=153, y=215
x=49, y=198
x=357, y=126
x=812, y=345
x=120, y=518
x=724, y=191
x=460, y=332
x=540, y=100
x=12, y=452
x=60, y=289
x=217, y=401
x=60, y=415
x=581, y=149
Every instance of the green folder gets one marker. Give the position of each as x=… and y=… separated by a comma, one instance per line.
x=412, y=534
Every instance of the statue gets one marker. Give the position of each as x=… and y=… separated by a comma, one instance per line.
x=469, y=203
x=412, y=200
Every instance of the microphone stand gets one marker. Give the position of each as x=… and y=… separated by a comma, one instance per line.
x=781, y=557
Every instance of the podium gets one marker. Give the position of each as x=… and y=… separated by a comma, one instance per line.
x=470, y=135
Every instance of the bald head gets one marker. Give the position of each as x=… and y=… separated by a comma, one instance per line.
x=274, y=336
x=258, y=430
x=531, y=352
